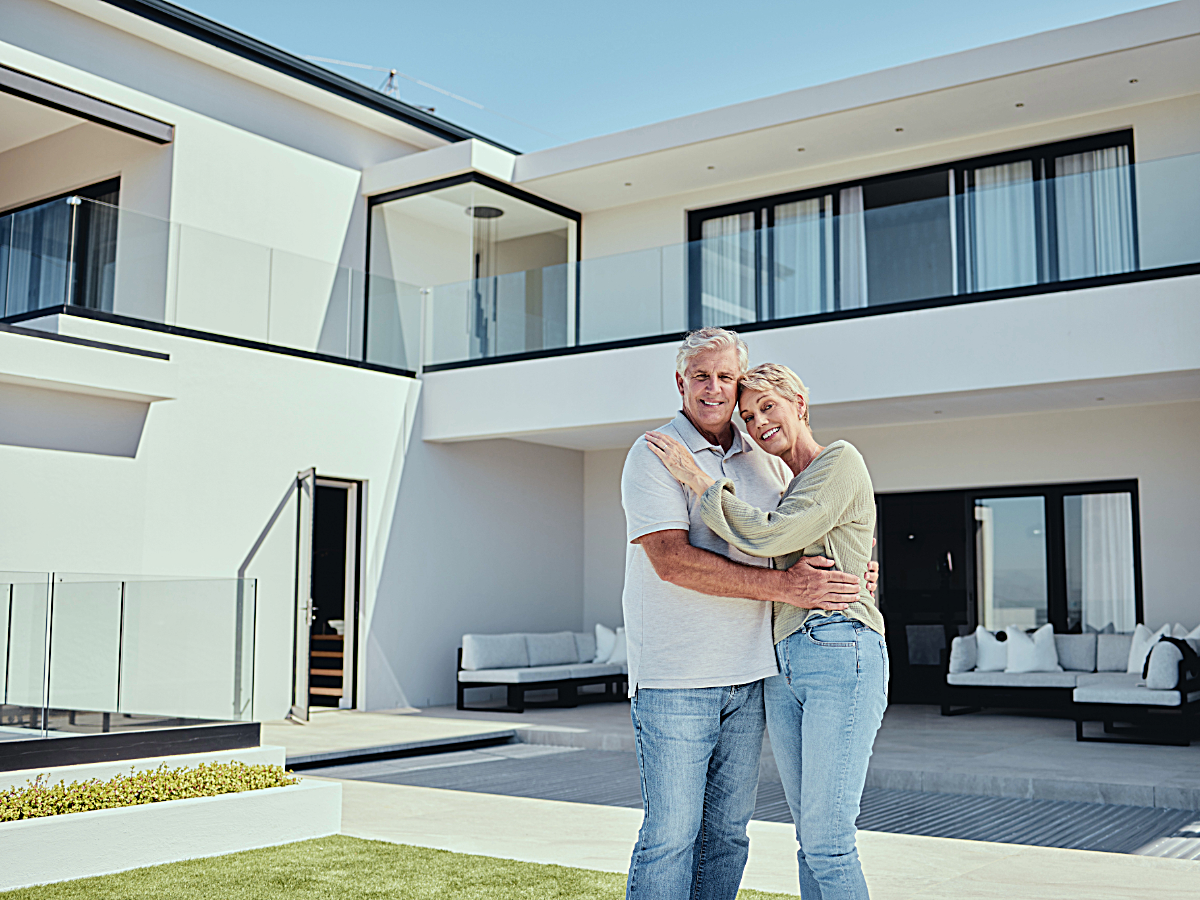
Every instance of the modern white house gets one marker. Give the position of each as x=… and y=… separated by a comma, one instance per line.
x=371, y=377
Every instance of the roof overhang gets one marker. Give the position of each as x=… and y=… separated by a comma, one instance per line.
x=1056, y=75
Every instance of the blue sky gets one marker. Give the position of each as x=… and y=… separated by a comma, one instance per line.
x=575, y=70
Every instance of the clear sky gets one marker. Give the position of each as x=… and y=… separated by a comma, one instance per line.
x=575, y=70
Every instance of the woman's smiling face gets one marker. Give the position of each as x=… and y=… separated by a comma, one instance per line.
x=774, y=422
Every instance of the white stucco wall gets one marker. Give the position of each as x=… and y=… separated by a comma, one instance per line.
x=603, y=538
x=200, y=484
x=488, y=538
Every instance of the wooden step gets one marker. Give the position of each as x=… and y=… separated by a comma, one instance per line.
x=332, y=673
x=328, y=637
x=327, y=654
x=325, y=692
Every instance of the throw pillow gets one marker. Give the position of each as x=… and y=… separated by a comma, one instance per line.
x=964, y=654
x=1178, y=631
x=1107, y=629
x=1193, y=638
x=620, y=654
x=1032, y=654
x=1162, y=671
x=1143, y=640
x=606, y=639
x=992, y=654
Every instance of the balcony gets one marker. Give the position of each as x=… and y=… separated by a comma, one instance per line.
x=1009, y=234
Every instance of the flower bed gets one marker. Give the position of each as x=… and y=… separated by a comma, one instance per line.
x=41, y=798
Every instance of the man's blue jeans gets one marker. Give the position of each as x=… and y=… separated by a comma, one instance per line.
x=823, y=711
x=698, y=751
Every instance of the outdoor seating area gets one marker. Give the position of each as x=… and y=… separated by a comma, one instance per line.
x=1144, y=686
x=578, y=667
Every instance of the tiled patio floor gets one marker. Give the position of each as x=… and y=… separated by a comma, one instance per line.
x=919, y=749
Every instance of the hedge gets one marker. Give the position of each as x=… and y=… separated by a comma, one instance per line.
x=40, y=798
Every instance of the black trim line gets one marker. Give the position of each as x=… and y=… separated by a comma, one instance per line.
x=82, y=342
x=147, y=325
x=221, y=36
x=479, y=178
x=84, y=106
x=41, y=753
x=1057, y=287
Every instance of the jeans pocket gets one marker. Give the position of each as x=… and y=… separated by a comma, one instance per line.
x=843, y=630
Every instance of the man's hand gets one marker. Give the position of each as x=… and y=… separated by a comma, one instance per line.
x=811, y=584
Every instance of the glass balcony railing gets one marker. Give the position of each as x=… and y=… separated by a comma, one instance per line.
x=1011, y=231
x=94, y=654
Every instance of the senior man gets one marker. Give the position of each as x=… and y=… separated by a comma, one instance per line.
x=698, y=626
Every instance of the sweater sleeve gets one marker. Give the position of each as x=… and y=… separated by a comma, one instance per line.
x=808, y=511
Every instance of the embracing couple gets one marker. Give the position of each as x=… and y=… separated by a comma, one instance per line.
x=736, y=623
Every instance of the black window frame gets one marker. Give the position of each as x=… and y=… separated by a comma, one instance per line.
x=763, y=208
x=80, y=238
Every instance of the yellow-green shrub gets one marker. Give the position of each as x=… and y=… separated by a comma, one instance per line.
x=41, y=798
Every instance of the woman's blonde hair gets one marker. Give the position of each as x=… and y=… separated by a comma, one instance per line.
x=777, y=378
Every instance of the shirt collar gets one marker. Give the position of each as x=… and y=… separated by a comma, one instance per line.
x=696, y=442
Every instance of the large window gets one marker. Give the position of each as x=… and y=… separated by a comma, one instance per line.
x=60, y=252
x=1053, y=213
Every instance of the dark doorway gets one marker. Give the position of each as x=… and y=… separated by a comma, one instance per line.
x=924, y=555
x=335, y=562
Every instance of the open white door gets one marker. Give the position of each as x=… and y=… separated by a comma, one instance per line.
x=306, y=487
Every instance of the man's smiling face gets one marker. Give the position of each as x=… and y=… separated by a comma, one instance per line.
x=709, y=389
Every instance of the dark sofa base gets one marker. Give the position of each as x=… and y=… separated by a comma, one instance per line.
x=569, y=696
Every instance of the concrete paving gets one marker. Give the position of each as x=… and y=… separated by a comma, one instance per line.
x=336, y=734
x=898, y=867
x=918, y=749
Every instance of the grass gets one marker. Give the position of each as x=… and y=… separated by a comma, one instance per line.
x=345, y=868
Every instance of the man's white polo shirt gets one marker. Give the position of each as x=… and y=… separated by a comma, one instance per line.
x=679, y=638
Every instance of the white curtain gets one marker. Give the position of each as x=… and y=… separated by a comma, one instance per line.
x=803, y=257
x=1094, y=210
x=727, y=268
x=1003, y=229
x=852, y=249
x=1107, y=565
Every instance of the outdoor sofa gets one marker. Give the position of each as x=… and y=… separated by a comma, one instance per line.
x=1092, y=686
x=563, y=662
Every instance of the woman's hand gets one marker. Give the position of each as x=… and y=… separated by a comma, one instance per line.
x=679, y=462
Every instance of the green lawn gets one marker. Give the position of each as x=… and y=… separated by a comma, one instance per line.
x=340, y=867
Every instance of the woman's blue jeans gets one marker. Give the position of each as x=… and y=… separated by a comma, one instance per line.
x=698, y=751
x=823, y=711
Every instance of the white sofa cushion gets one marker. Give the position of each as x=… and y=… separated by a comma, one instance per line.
x=585, y=644
x=525, y=675
x=1076, y=652
x=964, y=653
x=552, y=649
x=620, y=653
x=494, y=651
x=1031, y=654
x=1139, y=647
x=606, y=639
x=1112, y=652
x=1123, y=687
x=1014, y=679
x=993, y=655
x=1163, y=672
x=591, y=670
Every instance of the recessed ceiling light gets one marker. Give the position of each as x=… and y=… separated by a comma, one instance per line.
x=1019, y=105
x=799, y=149
x=1133, y=81
x=1100, y=399
x=937, y=412
x=899, y=129
x=628, y=184
x=712, y=167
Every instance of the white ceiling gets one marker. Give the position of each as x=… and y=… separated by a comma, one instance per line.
x=22, y=121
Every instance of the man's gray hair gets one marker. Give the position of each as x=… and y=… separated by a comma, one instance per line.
x=711, y=338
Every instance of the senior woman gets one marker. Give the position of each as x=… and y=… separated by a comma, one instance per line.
x=825, y=706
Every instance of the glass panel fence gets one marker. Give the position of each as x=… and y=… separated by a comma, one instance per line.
x=85, y=655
